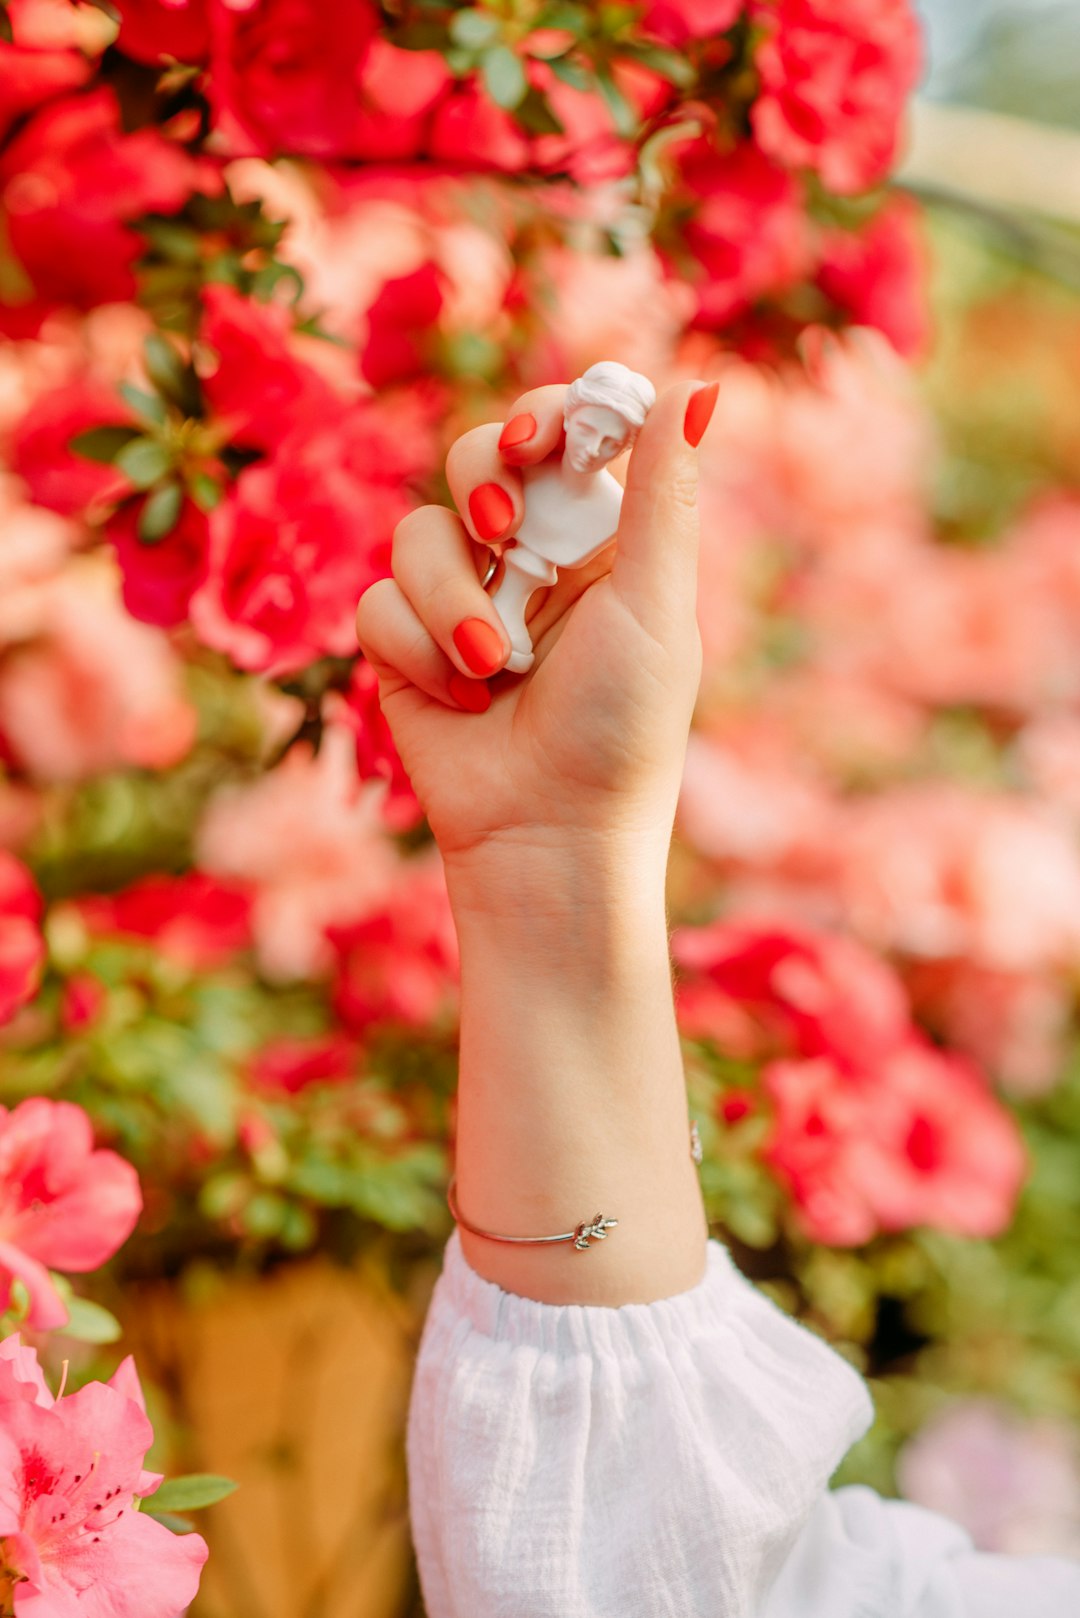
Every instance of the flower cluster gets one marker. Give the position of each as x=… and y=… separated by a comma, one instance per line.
x=71, y=1473
x=871, y=1128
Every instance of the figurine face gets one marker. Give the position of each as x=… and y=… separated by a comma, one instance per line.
x=594, y=436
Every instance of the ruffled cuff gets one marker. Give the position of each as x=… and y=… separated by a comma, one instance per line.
x=580, y=1461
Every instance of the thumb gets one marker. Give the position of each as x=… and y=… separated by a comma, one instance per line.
x=654, y=571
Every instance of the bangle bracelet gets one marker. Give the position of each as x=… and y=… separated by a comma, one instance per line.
x=595, y=1228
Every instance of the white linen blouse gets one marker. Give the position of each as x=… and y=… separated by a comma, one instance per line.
x=668, y=1460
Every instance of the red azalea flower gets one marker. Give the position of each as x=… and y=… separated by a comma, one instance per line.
x=194, y=918
x=160, y=578
x=297, y=542
x=399, y=965
x=377, y=757
x=809, y=994
x=289, y=1065
x=400, y=322
x=284, y=75
x=54, y=473
x=258, y=386
x=918, y=1139
x=72, y=181
x=879, y=275
x=22, y=948
x=154, y=30
x=745, y=228
x=835, y=77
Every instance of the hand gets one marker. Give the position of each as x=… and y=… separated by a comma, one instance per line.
x=588, y=746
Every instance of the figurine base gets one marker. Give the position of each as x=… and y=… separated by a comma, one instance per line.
x=519, y=663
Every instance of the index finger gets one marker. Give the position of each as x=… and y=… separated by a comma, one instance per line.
x=534, y=426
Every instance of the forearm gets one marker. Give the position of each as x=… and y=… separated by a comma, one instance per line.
x=572, y=1098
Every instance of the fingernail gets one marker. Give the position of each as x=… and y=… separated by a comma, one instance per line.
x=491, y=510
x=480, y=645
x=518, y=430
x=699, y=413
x=471, y=695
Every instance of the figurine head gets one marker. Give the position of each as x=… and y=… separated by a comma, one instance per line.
x=602, y=413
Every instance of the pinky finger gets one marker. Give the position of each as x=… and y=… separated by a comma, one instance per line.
x=399, y=648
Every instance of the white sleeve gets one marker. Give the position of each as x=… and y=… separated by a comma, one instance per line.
x=654, y=1460
x=860, y=1556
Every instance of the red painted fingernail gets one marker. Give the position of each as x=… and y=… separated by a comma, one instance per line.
x=699, y=413
x=480, y=645
x=471, y=695
x=518, y=430
x=491, y=510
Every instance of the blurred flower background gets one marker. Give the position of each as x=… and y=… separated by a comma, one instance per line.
x=260, y=263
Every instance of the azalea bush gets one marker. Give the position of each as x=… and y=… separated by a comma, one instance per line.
x=261, y=265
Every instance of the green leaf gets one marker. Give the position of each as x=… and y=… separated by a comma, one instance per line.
x=167, y=1519
x=144, y=461
x=160, y=512
x=90, y=1323
x=170, y=375
x=103, y=443
x=504, y=76
x=190, y=1493
x=626, y=119
x=571, y=73
x=172, y=240
x=205, y=492
x=150, y=406
x=473, y=30
x=535, y=114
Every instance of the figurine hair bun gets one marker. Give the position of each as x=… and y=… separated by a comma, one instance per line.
x=617, y=388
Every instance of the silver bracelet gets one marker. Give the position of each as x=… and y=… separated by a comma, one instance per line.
x=597, y=1227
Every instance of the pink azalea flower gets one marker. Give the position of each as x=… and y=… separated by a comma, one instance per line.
x=63, y=1204
x=71, y=1539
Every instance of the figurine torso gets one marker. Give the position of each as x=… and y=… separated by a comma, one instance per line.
x=567, y=524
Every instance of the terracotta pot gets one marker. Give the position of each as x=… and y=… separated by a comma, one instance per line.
x=296, y=1385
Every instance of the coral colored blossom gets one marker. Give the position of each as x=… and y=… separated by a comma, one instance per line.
x=22, y=948
x=915, y=1139
x=94, y=690
x=194, y=918
x=71, y=1538
x=83, y=998
x=63, y=1204
x=470, y=132
x=835, y=77
x=311, y=845
x=377, y=757
x=400, y=963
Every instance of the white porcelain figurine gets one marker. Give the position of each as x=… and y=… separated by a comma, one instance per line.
x=572, y=504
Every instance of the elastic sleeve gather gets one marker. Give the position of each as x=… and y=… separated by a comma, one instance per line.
x=648, y=1461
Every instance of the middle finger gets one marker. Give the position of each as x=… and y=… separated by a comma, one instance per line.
x=439, y=571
